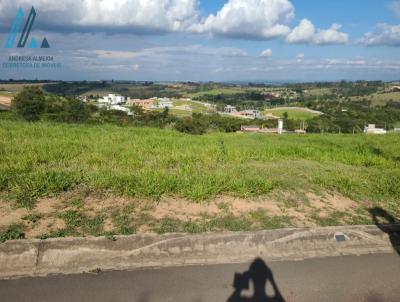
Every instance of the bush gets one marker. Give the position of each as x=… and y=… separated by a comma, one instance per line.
x=67, y=110
x=29, y=104
x=14, y=231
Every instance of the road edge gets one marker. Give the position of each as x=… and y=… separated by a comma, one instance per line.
x=22, y=258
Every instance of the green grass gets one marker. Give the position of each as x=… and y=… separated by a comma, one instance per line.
x=122, y=220
x=14, y=231
x=379, y=99
x=294, y=113
x=7, y=93
x=227, y=90
x=43, y=159
x=177, y=112
x=319, y=91
x=196, y=107
x=256, y=220
x=15, y=88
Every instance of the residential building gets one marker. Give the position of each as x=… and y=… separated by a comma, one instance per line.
x=371, y=129
x=230, y=109
x=250, y=113
x=112, y=99
x=145, y=104
x=163, y=103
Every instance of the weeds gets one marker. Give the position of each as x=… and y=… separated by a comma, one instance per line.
x=14, y=231
x=123, y=221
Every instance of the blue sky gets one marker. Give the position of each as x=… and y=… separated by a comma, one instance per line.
x=220, y=40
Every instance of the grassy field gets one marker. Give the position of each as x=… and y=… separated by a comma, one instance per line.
x=228, y=90
x=176, y=112
x=319, y=91
x=380, y=99
x=62, y=180
x=196, y=106
x=295, y=113
x=15, y=88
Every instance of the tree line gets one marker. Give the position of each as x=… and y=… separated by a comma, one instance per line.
x=31, y=104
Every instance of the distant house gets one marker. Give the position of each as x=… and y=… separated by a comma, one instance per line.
x=112, y=99
x=145, y=104
x=371, y=129
x=250, y=114
x=163, y=103
x=230, y=109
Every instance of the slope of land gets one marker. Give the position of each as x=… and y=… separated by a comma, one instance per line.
x=60, y=179
x=296, y=113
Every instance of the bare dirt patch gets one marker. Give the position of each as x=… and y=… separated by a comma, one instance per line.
x=10, y=215
x=5, y=101
x=239, y=206
x=45, y=226
x=341, y=203
x=183, y=210
x=96, y=203
x=46, y=205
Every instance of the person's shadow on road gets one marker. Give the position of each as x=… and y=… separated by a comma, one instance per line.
x=259, y=274
x=388, y=224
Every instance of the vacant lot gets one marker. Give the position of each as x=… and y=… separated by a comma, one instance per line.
x=61, y=180
x=295, y=113
x=380, y=99
x=5, y=101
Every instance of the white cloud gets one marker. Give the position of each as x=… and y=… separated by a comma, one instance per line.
x=254, y=19
x=331, y=36
x=247, y=19
x=395, y=6
x=266, y=53
x=303, y=33
x=385, y=34
x=132, y=15
x=306, y=33
x=300, y=56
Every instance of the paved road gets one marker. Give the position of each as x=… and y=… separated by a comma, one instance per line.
x=370, y=278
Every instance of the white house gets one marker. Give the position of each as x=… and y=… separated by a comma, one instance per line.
x=120, y=108
x=230, y=109
x=251, y=113
x=163, y=103
x=371, y=129
x=112, y=99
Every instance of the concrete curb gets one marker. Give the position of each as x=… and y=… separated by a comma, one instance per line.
x=20, y=258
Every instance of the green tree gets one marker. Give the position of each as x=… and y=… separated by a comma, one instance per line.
x=75, y=111
x=29, y=104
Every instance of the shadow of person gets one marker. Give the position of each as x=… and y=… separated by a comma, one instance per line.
x=388, y=224
x=259, y=274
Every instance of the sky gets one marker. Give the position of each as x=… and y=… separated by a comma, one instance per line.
x=208, y=40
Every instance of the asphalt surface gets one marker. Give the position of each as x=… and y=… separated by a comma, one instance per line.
x=370, y=278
